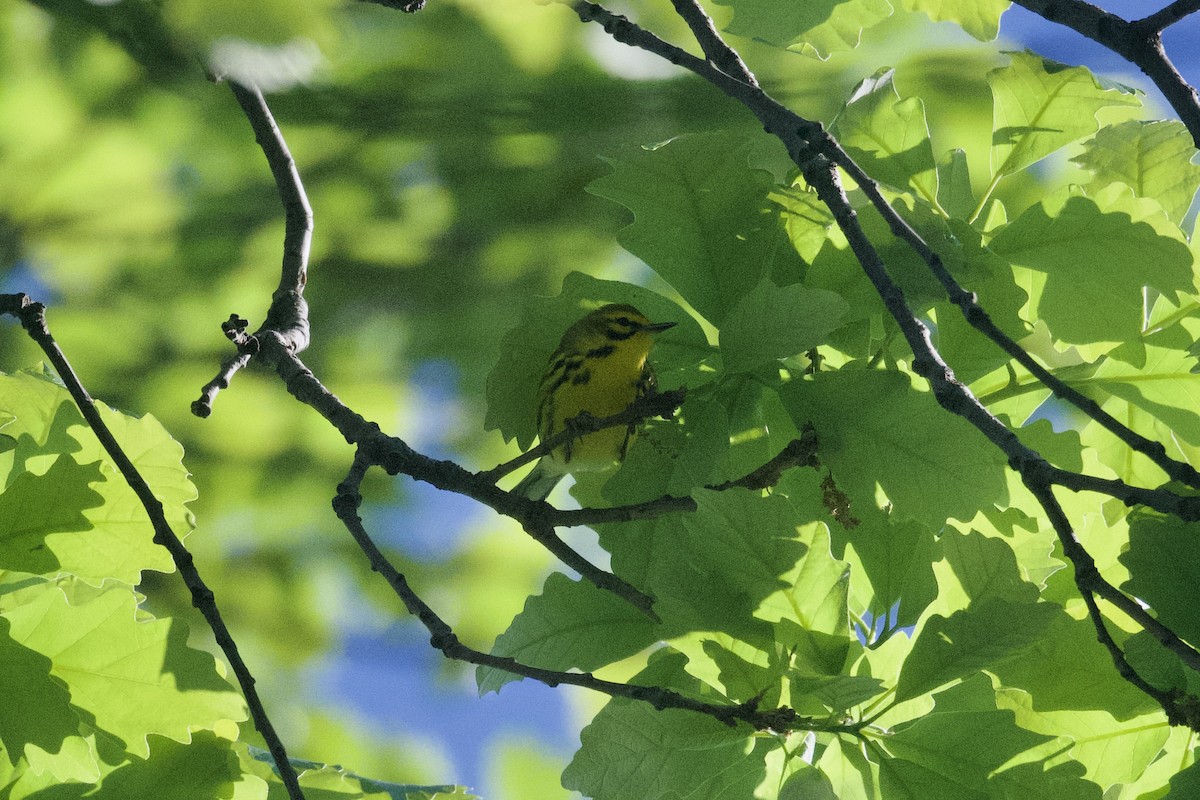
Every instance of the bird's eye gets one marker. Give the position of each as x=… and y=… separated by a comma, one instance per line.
x=626, y=321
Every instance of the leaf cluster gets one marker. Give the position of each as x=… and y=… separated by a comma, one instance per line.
x=942, y=602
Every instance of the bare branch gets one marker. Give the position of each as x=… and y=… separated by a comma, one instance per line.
x=1186, y=508
x=298, y=216
x=287, y=317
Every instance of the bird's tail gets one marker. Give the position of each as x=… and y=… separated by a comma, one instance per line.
x=538, y=484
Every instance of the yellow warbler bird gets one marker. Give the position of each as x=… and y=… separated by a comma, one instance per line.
x=599, y=368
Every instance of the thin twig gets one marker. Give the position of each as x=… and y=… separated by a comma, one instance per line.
x=1185, y=507
x=33, y=318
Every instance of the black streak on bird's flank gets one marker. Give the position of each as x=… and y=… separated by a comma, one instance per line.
x=602, y=352
x=583, y=377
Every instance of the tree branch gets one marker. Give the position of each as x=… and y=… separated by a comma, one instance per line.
x=287, y=317
x=33, y=319
x=442, y=637
x=719, y=53
x=1186, y=508
x=1168, y=16
x=978, y=318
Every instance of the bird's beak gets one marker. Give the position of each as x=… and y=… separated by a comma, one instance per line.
x=658, y=327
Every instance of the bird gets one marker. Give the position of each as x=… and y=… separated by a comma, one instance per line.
x=599, y=369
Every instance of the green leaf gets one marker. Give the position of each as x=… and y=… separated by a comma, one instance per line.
x=1120, y=755
x=631, y=751
x=1067, y=669
x=77, y=760
x=747, y=674
x=137, y=678
x=39, y=413
x=35, y=708
x=955, y=195
x=814, y=597
x=986, y=568
x=1163, y=388
x=980, y=18
x=888, y=136
x=674, y=457
x=981, y=637
x=40, y=515
x=977, y=754
x=805, y=218
x=814, y=28
x=1039, y=105
x=570, y=625
x=1151, y=157
x=897, y=562
x=839, y=694
x=743, y=545
x=115, y=541
x=873, y=427
x=774, y=322
x=512, y=385
x=851, y=774
x=121, y=545
x=1097, y=255
x=759, y=425
x=200, y=769
x=808, y=784
x=1061, y=448
x=1185, y=783
x=710, y=569
x=1163, y=560
x=698, y=210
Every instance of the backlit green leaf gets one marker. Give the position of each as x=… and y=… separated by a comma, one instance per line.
x=1039, y=105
